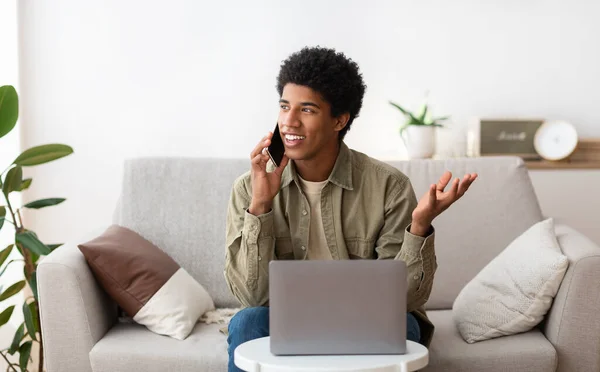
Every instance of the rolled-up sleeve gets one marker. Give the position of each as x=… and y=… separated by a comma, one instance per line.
x=250, y=246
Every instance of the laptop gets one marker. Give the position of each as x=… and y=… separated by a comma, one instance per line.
x=346, y=307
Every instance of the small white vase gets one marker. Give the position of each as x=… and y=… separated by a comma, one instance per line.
x=419, y=141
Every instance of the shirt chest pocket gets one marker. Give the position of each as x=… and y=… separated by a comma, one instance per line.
x=284, y=249
x=359, y=249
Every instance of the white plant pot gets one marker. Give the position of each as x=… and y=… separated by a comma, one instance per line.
x=419, y=141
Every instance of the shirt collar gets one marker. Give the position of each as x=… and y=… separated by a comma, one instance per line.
x=341, y=175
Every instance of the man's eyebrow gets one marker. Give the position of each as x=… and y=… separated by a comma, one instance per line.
x=302, y=103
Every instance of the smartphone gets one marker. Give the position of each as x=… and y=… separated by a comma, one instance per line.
x=276, y=148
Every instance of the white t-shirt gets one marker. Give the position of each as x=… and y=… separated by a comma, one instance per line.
x=317, y=243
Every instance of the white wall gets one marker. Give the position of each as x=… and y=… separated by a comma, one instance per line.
x=117, y=79
x=568, y=196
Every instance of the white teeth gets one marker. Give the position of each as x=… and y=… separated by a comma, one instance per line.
x=292, y=137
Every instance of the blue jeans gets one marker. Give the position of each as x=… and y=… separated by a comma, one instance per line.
x=253, y=322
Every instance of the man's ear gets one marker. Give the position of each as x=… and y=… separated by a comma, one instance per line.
x=341, y=121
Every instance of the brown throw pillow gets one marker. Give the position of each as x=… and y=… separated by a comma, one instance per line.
x=146, y=282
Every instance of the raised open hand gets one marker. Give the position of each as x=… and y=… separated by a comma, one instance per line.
x=437, y=199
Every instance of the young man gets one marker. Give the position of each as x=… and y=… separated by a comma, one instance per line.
x=329, y=202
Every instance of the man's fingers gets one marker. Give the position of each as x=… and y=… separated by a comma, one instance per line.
x=432, y=194
x=444, y=179
x=282, y=164
x=264, y=142
x=454, y=188
x=466, y=183
x=259, y=162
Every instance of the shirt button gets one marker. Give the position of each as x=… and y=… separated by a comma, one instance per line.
x=304, y=212
x=259, y=258
x=303, y=248
x=415, y=277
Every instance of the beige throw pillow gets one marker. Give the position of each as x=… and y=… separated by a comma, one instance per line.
x=515, y=290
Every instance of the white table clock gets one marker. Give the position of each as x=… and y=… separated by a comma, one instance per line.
x=555, y=140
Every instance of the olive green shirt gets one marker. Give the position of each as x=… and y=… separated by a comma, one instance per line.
x=366, y=208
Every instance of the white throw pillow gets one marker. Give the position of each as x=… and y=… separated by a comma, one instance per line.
x=515, y=290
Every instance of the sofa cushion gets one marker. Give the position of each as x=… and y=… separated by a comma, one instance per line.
x=146, y=282
x=448, y=352
x=513, y=293
x=131, y=347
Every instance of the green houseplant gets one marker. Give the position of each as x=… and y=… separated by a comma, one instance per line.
x=26, y=242
x=418, y=130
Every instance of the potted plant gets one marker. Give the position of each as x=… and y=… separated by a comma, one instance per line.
x=26, y=242
x=418, y=131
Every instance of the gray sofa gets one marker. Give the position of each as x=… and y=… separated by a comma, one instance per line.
x=180, y=204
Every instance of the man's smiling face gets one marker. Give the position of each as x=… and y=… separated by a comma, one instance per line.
x=305, y=123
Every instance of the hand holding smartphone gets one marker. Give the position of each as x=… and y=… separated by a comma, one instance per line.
x=265, y=185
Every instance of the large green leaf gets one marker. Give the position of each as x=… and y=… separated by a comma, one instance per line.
x=44, y=203
x=12, y=290
x=24, y=352
x=29, y=240
x=34, y=310
x=43, y=154
x=19, y=334
x=34, y=257
x=2, y=216
x=28, y=316
x=9, y=109
x=25, y=184
x=5, y=253
x=54, y=246
x=6, y=314
x=13, y=180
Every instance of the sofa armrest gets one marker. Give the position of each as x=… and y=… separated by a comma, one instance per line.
x=573, y=323
x=75, y=312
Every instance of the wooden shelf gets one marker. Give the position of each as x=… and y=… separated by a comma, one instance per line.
x=545, y=164
x=585, y=156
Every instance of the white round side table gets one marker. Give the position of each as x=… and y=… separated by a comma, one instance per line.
x=255, y=356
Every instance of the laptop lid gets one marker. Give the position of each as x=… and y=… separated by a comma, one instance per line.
x=337, y=307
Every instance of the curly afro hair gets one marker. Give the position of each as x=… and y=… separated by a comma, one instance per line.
x=331, y=74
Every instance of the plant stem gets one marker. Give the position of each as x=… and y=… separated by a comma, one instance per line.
x=12, y=212
x=7, y=362
x=20, y=219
